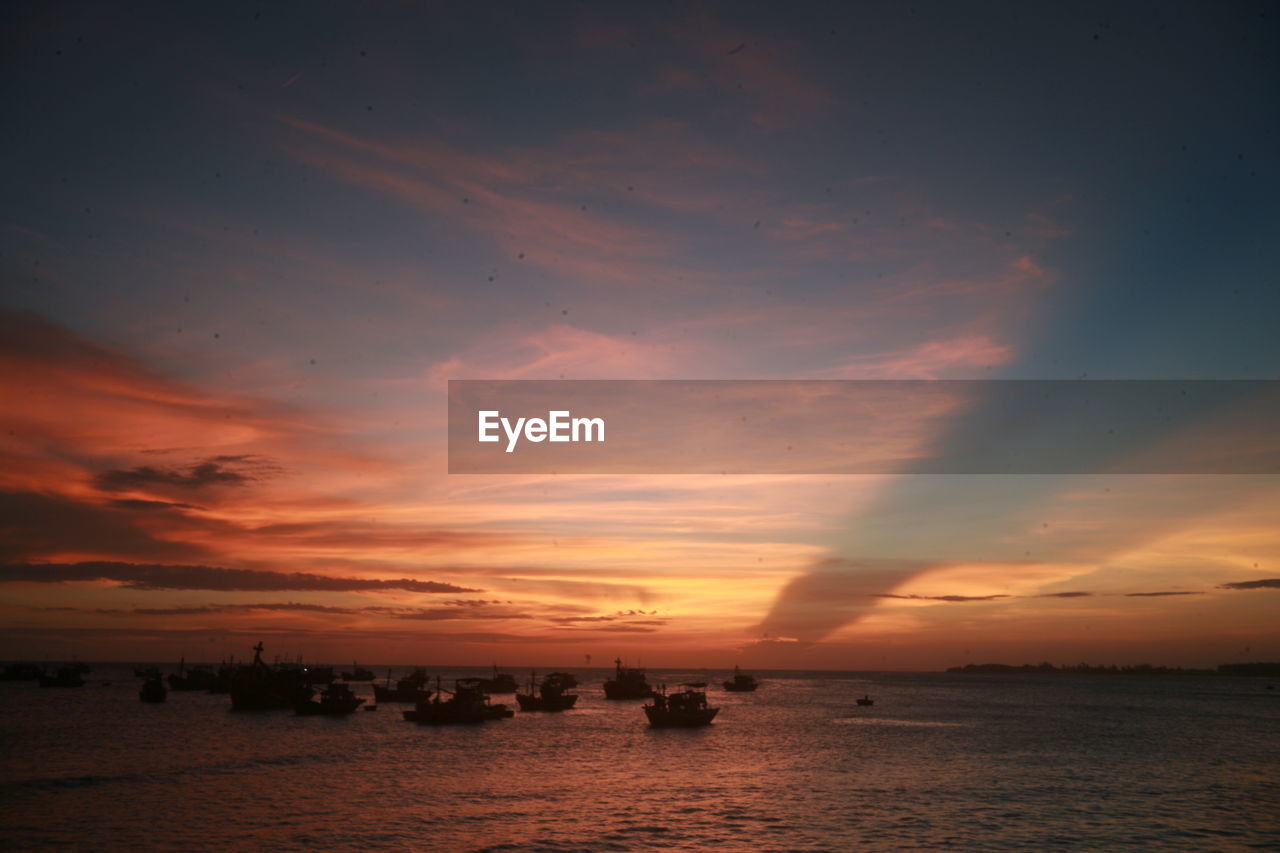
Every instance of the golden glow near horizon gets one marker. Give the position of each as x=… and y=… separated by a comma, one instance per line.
x=226, y=338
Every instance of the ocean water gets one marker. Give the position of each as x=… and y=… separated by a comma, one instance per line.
x=941, y=761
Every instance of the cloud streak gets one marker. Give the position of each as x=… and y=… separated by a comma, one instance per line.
x=156, y=576
x=218, y=471
x=1265, y=583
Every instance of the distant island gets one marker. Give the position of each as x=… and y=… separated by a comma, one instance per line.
x=1267, y=670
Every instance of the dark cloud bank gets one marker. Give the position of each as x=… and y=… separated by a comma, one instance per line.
x=176, y=576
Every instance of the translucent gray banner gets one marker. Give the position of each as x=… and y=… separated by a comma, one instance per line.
x=864, y=427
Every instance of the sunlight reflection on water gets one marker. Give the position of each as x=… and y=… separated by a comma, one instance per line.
x=970, y=762
x=885, y=721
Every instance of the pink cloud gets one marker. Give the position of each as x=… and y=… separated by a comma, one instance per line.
x=928, y=360
x=560, y=351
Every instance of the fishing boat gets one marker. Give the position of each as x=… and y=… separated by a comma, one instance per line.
x=627, y=683
x=318, y=675
x=412, y=688
x=222, y=679
x=358, y=673
x=501, y=682
x=550, y=695
x=153, y=690
x=335, y=700
x=568, y=679
x=258, y=687
x=66, y=676
x=686, y=709
x=741, y=683
x=197, y=678
x=866, y=700
x=468, y=705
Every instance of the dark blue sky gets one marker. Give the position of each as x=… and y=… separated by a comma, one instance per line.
x=1145, y=133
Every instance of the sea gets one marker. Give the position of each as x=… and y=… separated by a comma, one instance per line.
x=940, y=761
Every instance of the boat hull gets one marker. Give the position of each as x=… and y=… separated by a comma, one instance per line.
x=617, y=690
x=660, y=719
x=153, y=691
x=528, y=702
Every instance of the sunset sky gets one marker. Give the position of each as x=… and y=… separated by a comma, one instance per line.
x=244, y=248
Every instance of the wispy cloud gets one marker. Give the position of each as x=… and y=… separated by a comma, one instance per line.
x=1266, y=583
x=157, y=576
x=218, y=471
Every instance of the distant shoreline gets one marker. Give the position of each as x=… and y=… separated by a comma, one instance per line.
x=1267, y=670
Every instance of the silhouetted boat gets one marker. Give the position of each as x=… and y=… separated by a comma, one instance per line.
x=550, y=695
x=469, y=704
x=66, y=676
x=197, y=678
x=153, y=690
x=866, y=700
x=502, y=682
x=318, y=675
x=21, y=672
x=358, y=673
x=685, y=709
x=222, y=679
x=741, y=683
x=627, y=683
x=258, y=687
x=335, y=700
x=412, y=688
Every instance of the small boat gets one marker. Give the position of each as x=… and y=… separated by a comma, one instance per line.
x=468, y=705
x=568, y=679
x=335, y=700
x=66, y=676
x=502, y=682
x=627, y=683
x=358, y=673
x=196, y=678
x=866, y=700
x=318, y=675
x=741, y=683
x=153, y=690
x=412, y=688
x=686, y=709
x=222, y=679
x=551, y=695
